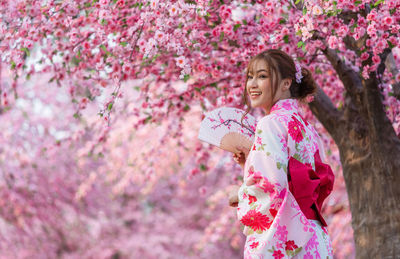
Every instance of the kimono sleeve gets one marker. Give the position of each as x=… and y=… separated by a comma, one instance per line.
x=272, y=219
x=265, y=180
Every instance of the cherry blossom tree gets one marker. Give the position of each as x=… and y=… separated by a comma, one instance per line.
x=193, y=54
x=69, y=190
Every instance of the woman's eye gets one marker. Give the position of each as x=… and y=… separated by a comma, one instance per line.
x=262, y=76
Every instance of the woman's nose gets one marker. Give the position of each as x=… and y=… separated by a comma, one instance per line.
x=252, y=83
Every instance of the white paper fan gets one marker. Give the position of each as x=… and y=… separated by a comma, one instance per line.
x=222, y=128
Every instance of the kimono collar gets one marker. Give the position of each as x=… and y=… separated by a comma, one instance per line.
x=285, y=105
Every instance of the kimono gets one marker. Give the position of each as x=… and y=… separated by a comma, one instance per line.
x=285, y=182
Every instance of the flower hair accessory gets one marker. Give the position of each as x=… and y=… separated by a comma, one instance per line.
x=299, y=76
x=309, y=98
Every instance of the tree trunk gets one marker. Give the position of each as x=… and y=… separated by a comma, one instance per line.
x=372, y=173
x=370, y=156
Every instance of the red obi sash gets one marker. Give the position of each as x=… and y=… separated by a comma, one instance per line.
x=309, y=187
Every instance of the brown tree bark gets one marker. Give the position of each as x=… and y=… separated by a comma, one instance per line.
x=370, y=156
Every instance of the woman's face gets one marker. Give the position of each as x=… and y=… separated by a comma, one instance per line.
x=259, y=86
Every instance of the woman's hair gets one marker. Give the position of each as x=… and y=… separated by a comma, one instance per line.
x=281, y=66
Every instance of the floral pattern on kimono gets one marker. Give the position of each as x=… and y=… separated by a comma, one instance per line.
x=274, y=224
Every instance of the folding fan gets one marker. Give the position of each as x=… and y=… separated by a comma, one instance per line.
x=222, y=128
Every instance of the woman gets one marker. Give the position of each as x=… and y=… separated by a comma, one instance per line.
x=285, y=181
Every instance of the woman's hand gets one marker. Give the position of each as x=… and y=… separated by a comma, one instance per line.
x=241, y=156
x=233, y=196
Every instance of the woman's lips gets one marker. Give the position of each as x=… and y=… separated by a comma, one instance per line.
x=255, y=96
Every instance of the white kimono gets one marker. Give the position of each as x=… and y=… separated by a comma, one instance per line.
x=274, y=223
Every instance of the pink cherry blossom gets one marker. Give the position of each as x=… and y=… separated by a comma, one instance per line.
x=73, y=156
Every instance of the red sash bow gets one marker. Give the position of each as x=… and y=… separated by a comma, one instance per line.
x=309, y=187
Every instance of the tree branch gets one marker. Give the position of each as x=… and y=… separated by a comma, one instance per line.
x=379, y=124
x=323, y=108
x=134, y=45
x=350, y=78
x=390, y=64
x=396, y=90
x=355, y=45
x=382, y=65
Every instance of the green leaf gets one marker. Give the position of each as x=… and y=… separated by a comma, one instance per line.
x=203, y=167
x=289, y=252
x=148, y=119
x=76, y=115
x=297, y=250
x=282, y=21
x=221, y=36
x=110, y=105
x=278, y=165
x=103, y=47
x=186, y=108
x=390, y=44
x=123, y=43
x=13, y=64
x=297, y=1
x=155, y=57
x=297, y=156
x=75, y=61
x=378, y=2
x=286, y=38
x=244, y=22
x=236, y=26
x=26, y=50
x=186, y=77
x=300, y=44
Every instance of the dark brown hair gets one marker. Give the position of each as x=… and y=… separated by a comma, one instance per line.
x=281, y=66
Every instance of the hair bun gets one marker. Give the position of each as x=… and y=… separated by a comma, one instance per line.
x=306, y=86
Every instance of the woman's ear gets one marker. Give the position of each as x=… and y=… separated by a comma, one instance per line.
x=286, y=83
